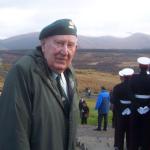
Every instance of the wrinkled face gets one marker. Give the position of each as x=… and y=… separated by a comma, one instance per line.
x=59, y=51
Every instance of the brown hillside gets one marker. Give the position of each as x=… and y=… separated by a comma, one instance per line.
x=95, y=79
x=94, y=67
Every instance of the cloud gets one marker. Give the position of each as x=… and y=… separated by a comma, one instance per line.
x=96, y=17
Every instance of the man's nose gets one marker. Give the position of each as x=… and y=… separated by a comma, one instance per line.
x=65, y=49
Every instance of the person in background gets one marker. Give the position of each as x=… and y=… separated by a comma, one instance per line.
x=123, y=109
x=89, y=92
x=81, y=105
x=112, y=102
x=140, y=123
x=84, y=113
x=102, y=105
x=39, y=101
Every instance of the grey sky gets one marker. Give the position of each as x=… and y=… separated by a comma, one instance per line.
x=92, y=17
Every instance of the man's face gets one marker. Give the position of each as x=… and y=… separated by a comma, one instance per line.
x=59, y=51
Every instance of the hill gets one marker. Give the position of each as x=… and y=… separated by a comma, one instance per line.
x=94, y=67
x=95, y=79
x=97, y=59
x=30, y=41
x=135, y=41
x=20, y=42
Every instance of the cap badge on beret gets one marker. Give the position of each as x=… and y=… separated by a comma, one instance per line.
x=71, y=25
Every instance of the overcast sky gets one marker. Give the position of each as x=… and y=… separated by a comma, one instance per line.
x=92, y=17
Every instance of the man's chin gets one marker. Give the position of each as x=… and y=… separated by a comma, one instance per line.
x=61, y=68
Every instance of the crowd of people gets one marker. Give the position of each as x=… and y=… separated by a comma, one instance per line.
x=131, y=105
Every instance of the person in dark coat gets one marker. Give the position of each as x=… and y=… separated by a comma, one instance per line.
x=102, y=105
x=39, y=101
x=123, y=110
x=112, y=107
x=84, y=113
x=140, y=88
x=81, y=105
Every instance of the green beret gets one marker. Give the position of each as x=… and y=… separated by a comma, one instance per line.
x=59, y=27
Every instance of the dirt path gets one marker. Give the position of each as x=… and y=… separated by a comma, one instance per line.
x=95, y=140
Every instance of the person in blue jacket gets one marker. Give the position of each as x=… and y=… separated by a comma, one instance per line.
x=102, y=105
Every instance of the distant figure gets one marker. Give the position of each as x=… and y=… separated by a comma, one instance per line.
x=81, y=105
x=102, y=105
x=88, y=92
x=84, y=113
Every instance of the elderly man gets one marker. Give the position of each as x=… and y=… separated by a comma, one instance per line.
x=38, y=105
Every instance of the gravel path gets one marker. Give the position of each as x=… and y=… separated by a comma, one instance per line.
x=95, y=140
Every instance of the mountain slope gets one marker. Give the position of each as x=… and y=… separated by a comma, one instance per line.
x=30, y=41
x=26, y=41
x=135, y=41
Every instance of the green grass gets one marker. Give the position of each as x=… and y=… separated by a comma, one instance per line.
x=93, y=115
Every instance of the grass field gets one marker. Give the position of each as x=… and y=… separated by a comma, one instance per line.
x=94, y=80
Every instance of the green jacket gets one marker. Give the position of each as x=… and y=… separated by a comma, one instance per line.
x=32, y=115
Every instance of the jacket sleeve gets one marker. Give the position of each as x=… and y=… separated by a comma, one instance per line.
x=15, y=112
x=98, y=102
